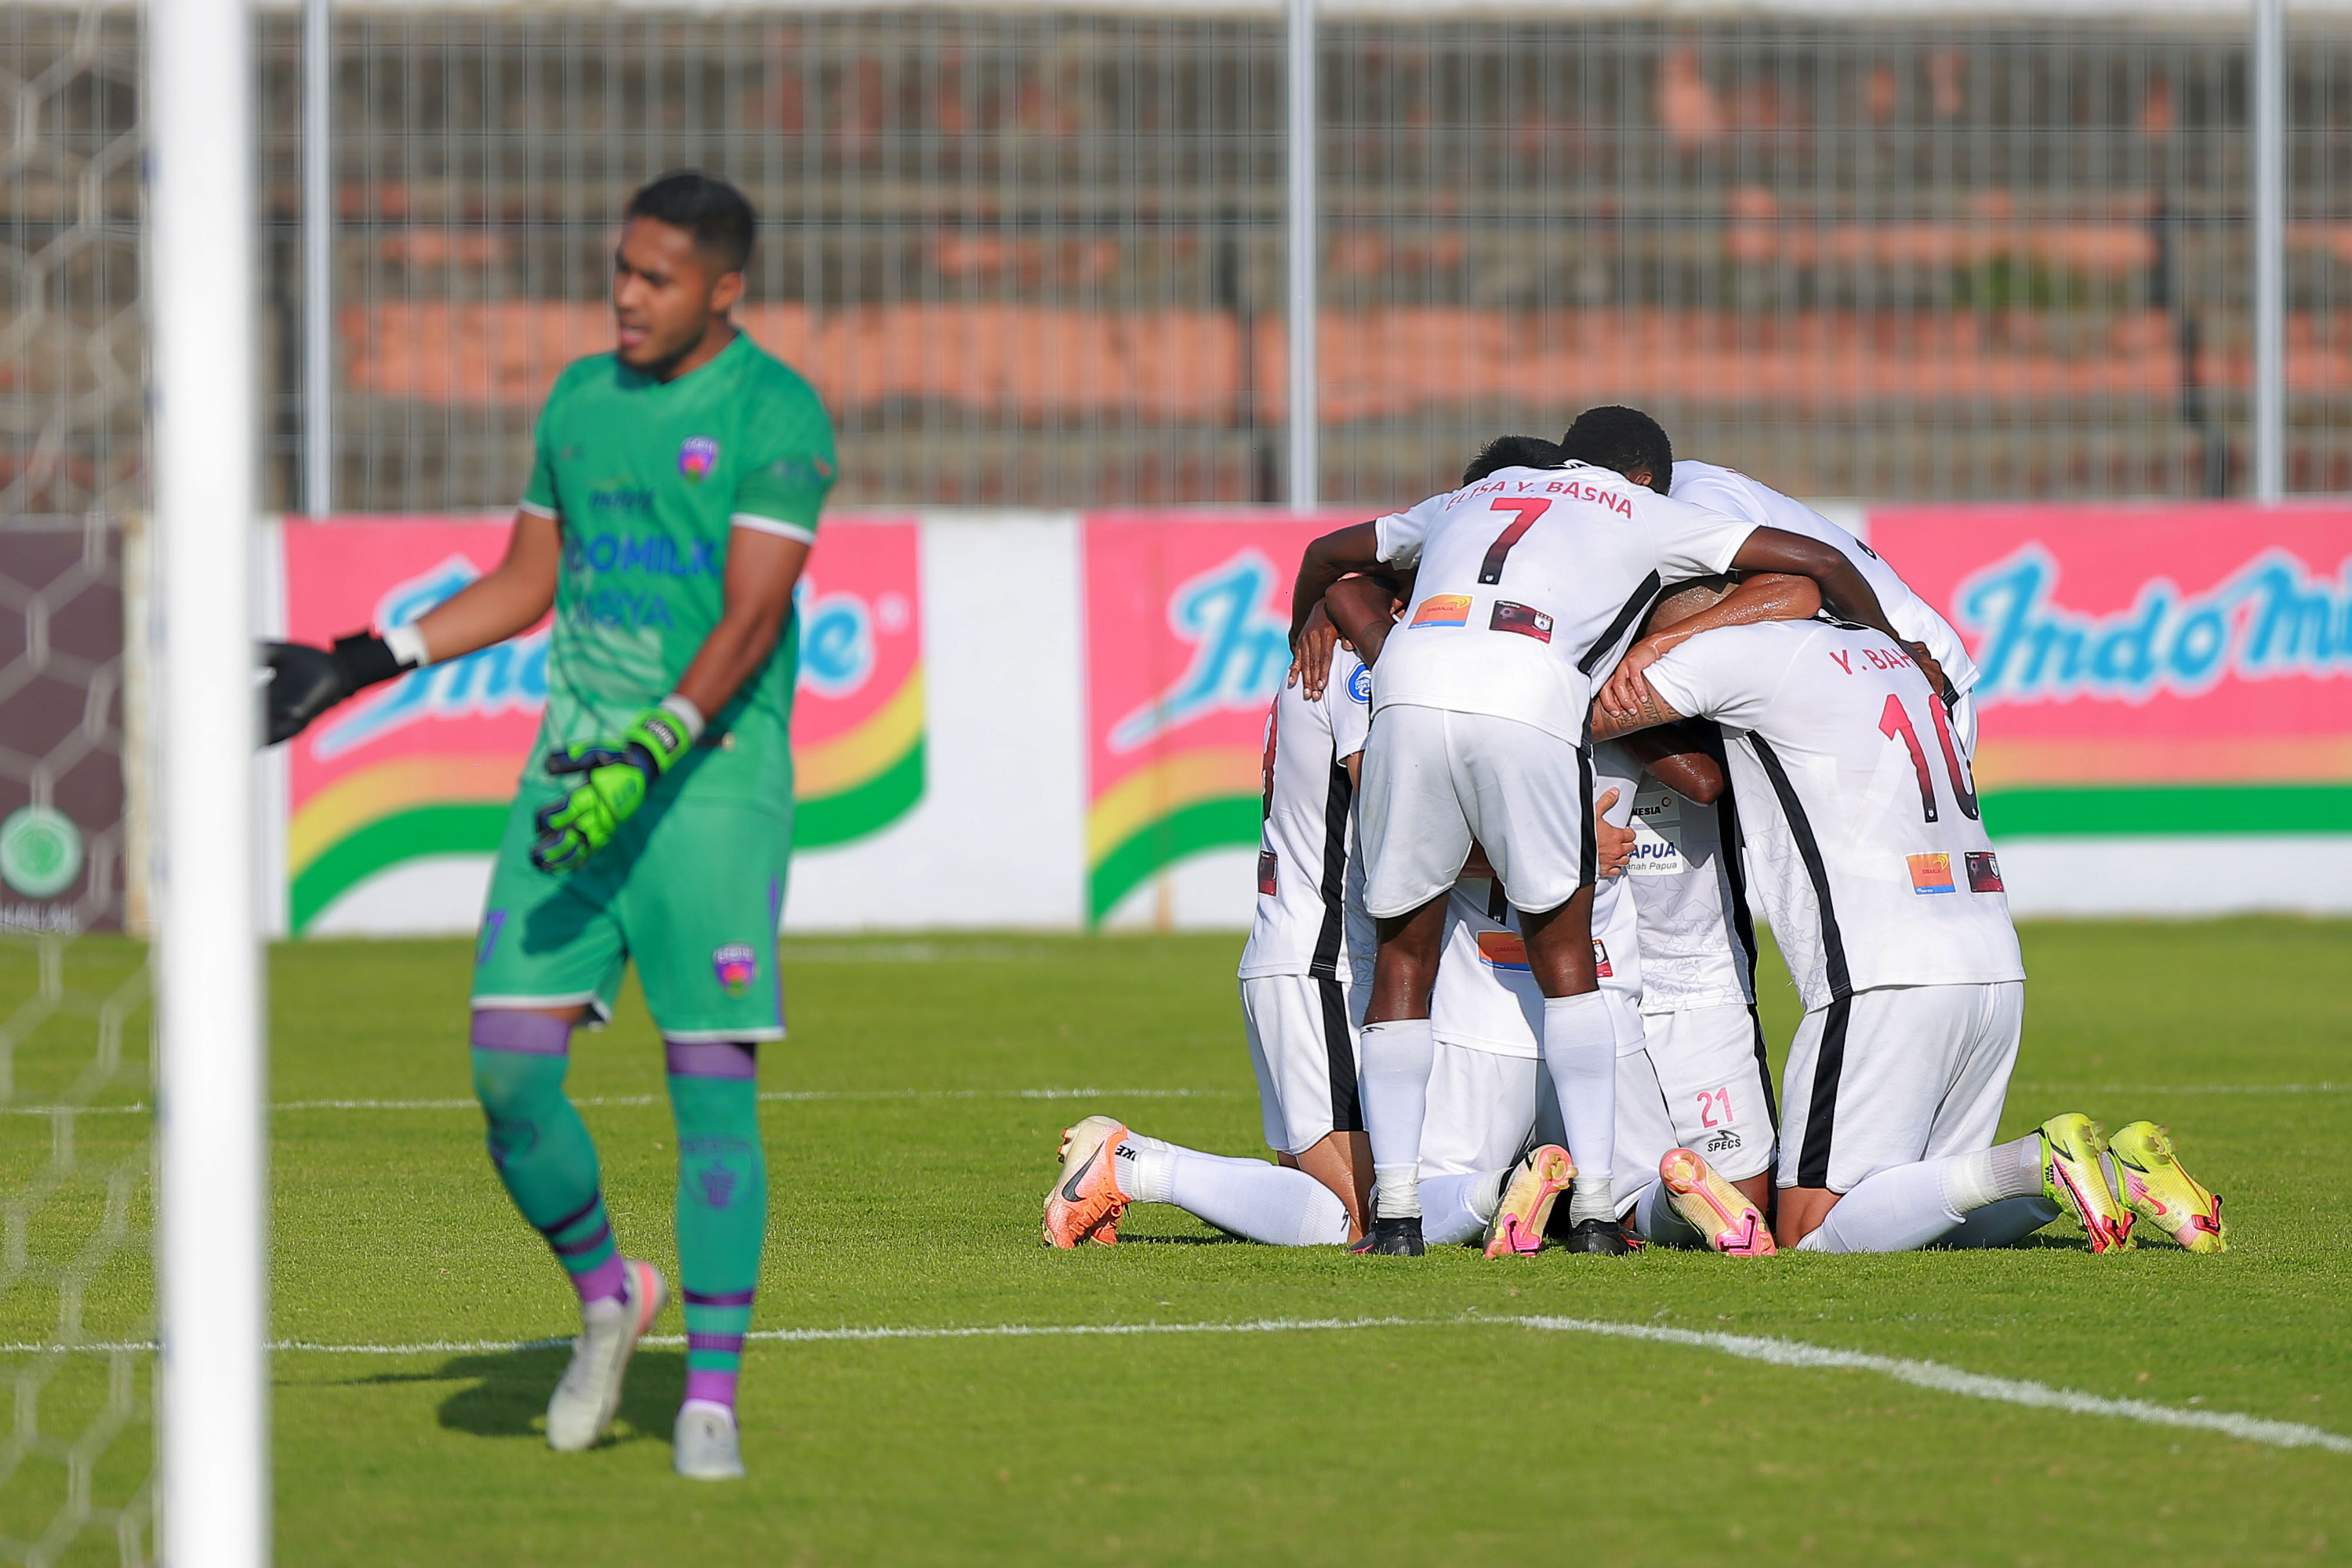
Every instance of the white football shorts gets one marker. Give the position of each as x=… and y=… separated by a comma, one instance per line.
x=1895, y=1074
x=1717, y=1086
x=1485, y=1111
x=1303, y=1048
x=1646, y=1130
x=1434, y=781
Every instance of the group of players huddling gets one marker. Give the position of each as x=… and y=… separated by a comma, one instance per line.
x=1541, y=733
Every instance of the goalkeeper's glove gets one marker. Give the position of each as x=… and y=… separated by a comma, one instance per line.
x=611, y=784
x=305, y=681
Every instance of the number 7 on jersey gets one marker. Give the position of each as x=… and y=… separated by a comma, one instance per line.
x=1529, y=508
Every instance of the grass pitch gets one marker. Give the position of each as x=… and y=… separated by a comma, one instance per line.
x=907, y=1184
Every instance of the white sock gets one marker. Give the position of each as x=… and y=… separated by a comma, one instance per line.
x=2004, y=1224
x=711, y=1404
x=605, y=1309
x=1267, y=1203
x=1144, y=1167
x=1396, y=1057
x=1579, y=1047
x=1454, y=1208
x=1894, y=1211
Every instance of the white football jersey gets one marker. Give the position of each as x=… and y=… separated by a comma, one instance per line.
x=1857, y=806
x=1530, y=585
x=1733, y=493
x=1688, y=890
x=1308, y=837
x=1486, y=997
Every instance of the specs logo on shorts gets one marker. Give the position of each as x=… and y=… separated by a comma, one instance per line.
x=697, y=456
x=1359, y=684
x=1723, y=1142
x=1520, y=618
x=1984, y=872
x=736, y=964
x=1502, y=950
x=1444, y=610
x=1931, y=873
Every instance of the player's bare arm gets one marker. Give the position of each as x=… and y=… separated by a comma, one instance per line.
x=1766, y=597
x=756, y=594
x=1647, y=712
x=1364, y=608
x=305, y=681
x=1356, y=548
x=1670, y=756
x=1310, y=656
x=1845, y=591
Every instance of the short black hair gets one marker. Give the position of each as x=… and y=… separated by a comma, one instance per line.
x=1512, y=452
x=710, y=209
x=1625, y=440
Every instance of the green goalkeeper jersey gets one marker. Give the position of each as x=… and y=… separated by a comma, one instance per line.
x=649, y=479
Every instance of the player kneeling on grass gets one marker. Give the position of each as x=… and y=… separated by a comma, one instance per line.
x=673, y=504
x=1884, y=892
x=1296, y=1005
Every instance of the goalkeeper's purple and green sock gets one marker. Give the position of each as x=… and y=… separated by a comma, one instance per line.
x=540, y=1147
x=722, y=1207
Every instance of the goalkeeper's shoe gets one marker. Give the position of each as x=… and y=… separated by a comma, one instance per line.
x=609, y=783
x=2076, y=1178
x=1398, y=1237
x=1713, y=1206
x=2159, y=1191
x=704, y=1446
x=1084, y=1200
x=1517, y=1227
x=589, y=1393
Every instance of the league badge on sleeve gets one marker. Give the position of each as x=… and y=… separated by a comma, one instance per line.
x=736, y=964
x=1359, y=684
x=697, y=456
x=1984, y=871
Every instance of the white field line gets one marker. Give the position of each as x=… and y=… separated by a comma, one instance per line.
x=1928, y=1375
x=140, y=1107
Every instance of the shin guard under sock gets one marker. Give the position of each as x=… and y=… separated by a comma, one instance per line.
x=722, y=1207
x=539, y=1146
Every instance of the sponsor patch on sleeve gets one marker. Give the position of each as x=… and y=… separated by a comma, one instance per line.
x=1269, y=869
x=1523, y=619
x=1444, y=610
x=1984, y=872
x=1601, y=959
x=1931, y=874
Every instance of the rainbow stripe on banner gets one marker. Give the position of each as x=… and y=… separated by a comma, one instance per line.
x=1188, y=641
x=426, y=768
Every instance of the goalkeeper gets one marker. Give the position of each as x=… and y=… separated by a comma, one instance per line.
x=671, y=505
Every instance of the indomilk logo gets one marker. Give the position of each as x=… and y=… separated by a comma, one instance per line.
x=1239, y=651
x=507, y=677
x=2270, y=618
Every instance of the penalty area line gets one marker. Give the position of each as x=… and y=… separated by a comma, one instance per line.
x=1933, y=1376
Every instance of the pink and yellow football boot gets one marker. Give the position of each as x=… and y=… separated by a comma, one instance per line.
x=2156, y=1189
x=1517, y=1227
x=2074, y=1176
x=1084, y=1200
x=1714, y=1208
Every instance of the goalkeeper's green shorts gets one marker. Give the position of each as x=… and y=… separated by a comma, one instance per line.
x=691, y=889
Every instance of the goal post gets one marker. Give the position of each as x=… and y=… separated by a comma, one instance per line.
x=213, y=1384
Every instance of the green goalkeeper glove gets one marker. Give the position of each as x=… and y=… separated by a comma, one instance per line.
x=613, y=782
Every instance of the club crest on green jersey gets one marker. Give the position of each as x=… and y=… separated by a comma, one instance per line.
x=697, y=456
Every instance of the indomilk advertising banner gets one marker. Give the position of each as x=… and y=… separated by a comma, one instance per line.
x=1053, y=719
x=395, y=802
